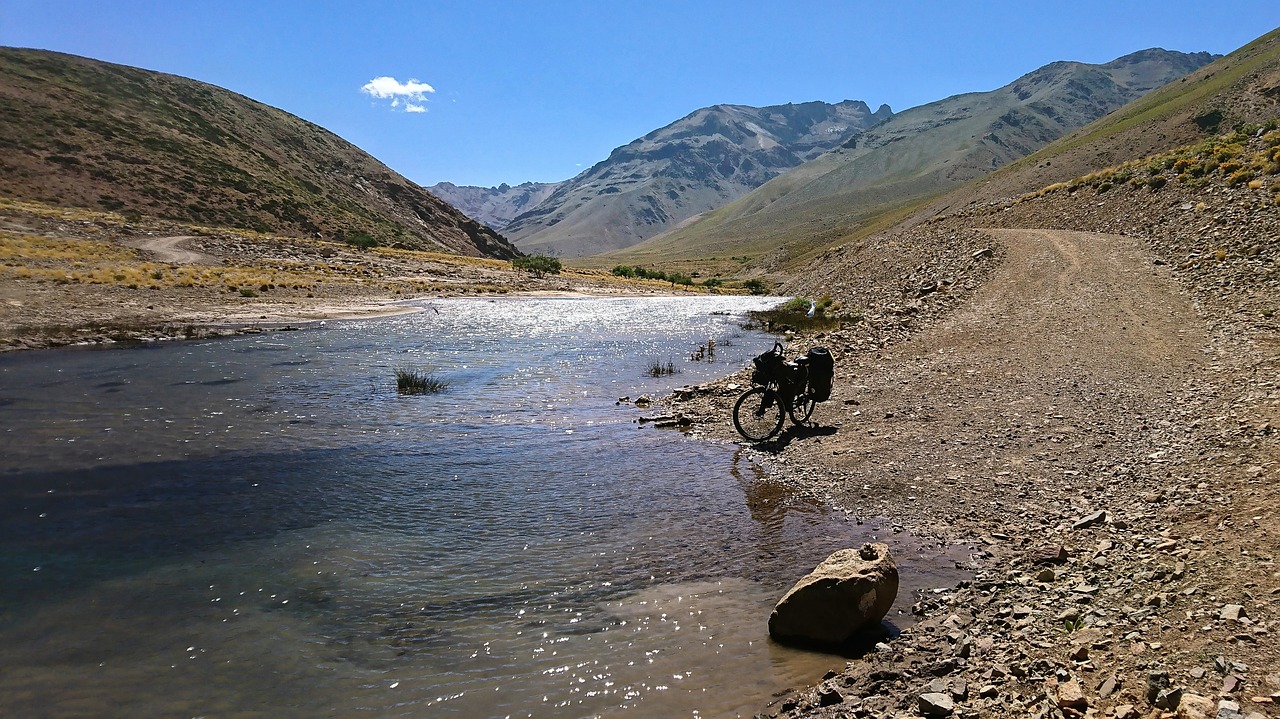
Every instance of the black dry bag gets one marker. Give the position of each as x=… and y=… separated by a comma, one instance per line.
x=822, y=370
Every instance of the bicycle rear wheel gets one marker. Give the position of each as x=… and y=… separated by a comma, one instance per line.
x=758, y=414
x=802, y=408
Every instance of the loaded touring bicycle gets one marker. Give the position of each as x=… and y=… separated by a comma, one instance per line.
x=783, y=387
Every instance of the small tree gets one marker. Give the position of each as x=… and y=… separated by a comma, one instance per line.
x=539, y=265
x=755, y=287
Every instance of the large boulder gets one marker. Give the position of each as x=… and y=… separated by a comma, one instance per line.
x=850, y=590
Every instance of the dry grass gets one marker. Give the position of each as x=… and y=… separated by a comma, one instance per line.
x=1241, y=157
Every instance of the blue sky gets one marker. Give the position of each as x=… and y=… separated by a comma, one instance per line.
x=541, y=90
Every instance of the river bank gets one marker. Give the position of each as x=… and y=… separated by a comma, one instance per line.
x=1100, y=437
x=81, y=277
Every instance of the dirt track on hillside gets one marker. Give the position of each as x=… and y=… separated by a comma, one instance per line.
x=173, y=249
x=1078, y=379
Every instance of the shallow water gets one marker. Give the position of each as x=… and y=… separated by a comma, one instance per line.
x=261, y=526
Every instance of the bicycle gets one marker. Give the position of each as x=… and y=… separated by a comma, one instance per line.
x=782, y=388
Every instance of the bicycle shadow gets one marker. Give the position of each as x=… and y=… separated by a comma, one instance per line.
x=792, y=433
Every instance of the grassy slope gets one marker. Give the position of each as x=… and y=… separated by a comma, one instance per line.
x=78, y=132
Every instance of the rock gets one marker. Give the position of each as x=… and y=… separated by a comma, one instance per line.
x=1194, y=706
x=1168, y=699
x=936, y=704
x=1125, y=711
x=1056, y=554
x=1098, y=517
x=1157, y=681
x=849, y=591
x=1232, y=613
x=1071, y=695
x=828, y=696
x=983, y=254
x=1109, y=687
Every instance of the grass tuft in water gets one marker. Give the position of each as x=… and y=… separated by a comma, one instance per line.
x=412, y=381
x=657, y=369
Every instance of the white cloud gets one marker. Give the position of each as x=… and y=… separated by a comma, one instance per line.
x=410, y=94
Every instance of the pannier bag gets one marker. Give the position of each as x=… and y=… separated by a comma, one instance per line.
x=822, y=370
x=768, y=367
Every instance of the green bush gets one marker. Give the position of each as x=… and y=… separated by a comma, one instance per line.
x=755, y=287
x=539, y=265
x=363, y=241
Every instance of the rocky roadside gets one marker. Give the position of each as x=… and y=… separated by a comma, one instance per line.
x=1120, y=505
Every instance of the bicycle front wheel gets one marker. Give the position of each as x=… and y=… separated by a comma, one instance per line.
x=758, y=414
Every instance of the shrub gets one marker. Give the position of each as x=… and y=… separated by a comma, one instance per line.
x=1239, y=177
x=363, y=241
x=1228, y=168
x=795, y=304
x=247, y=292
x=412, y=381
x=755, y=287
x=624, y=271
x=1156, y=182
x=1227, y=152
x=538, y=265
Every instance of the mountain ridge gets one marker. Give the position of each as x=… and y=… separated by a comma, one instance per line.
x=495, y=207
x=693, y=165
x=86, y=133
x=920, y=152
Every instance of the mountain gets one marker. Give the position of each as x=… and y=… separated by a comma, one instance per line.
x=918, y=153
x=1241, y=88
x=713, y=155
x=494, y=206
x=84, y=133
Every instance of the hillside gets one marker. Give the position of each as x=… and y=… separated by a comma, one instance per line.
x=78, y=132
x=497, y=206
x=713, y=155
x=920, y=152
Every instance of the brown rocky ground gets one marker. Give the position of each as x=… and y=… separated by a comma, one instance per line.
x=1092, y=414
x=78, y=277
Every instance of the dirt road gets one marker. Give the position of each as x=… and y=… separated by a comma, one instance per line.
x=1065, y=362
x=170, y=249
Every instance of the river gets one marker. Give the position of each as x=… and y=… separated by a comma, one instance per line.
x=261, y=526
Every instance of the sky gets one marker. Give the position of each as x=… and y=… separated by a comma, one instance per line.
x=480, y=93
